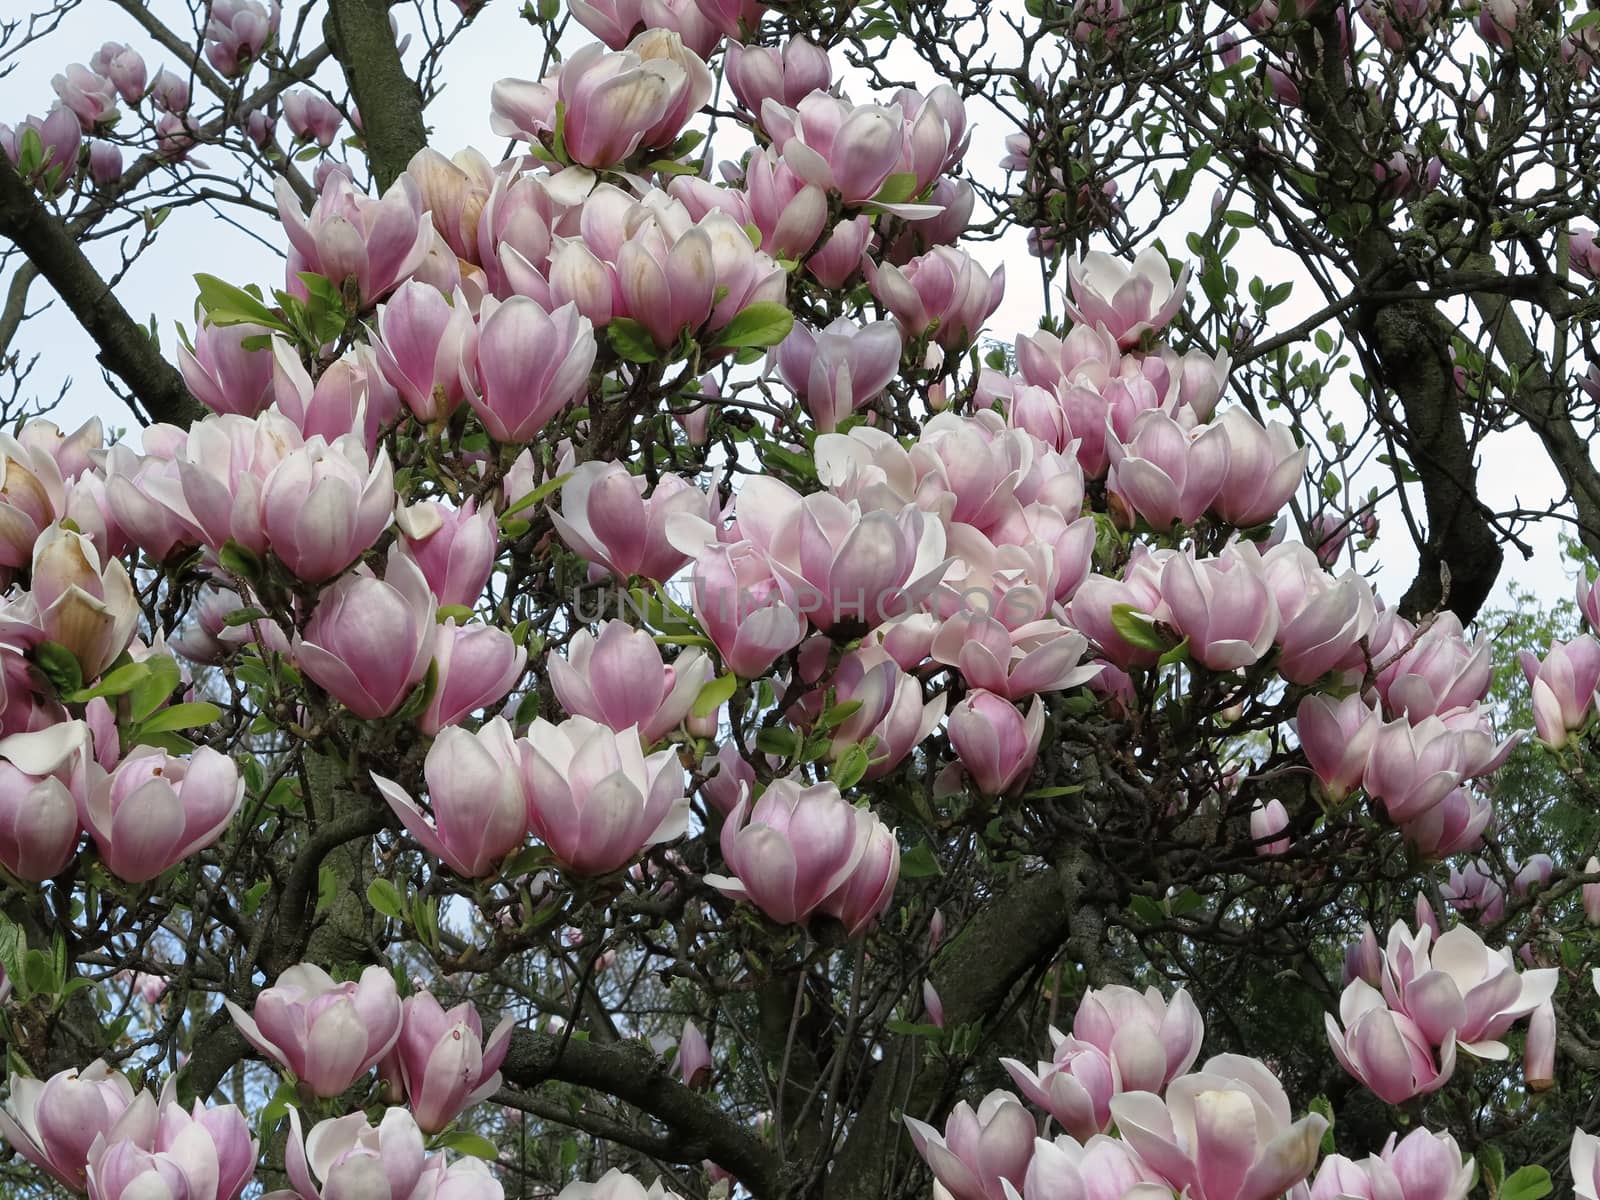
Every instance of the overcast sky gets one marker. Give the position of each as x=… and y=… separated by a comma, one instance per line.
x=499, y=44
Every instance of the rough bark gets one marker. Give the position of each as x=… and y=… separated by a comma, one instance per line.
x=126, y=349
x=391, y=107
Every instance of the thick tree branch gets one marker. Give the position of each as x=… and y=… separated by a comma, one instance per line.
x=631, y=1072
x=1021, y=930
x=125, y=347
x=391, y=107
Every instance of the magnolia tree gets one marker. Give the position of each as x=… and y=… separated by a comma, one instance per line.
x=602, y=678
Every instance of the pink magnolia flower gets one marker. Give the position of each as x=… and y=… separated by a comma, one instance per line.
x=981, y=1152
x=32, y=498
x=1264, y=469
x=1223, y=1133
x=443, y=1060
x=425, y=346
x=792, y=849
x=326, y=1034
x=1222, y=605
x=1165, y=473
x=325, y=504
x=1440, y=671
x=480, y=804
x=54, y=1124
x=155, y=810
x=1127, y=301
x=1075, y=1086
x=311, y=116
x=1424, y=1166
x=846, y=149
x=203, y=1152
x=224, y=375
x=786, y=76
x=1564, y=686
x=1411, y=768
x=944, y=293
x=38, y=808
x=477, y=666
x=531, y=364
x=454, y=548
x=1585, y=1165
x=90, y=610
x=1040, y=656
x=1385, y=1049
x=124, y=67
x=614, y=22
x=866, y=893
x=1453, y=826
x=353, y=241
x=1269, y=828
x=747, y=608
x=369, y=641
x=606, y=517
x=90, y=97
x=237, y=31
x=840, y=369
x=694, y=1057
x=996, y=744
x=620, y=680
x=1101, y=1168
x=1459, y=986
x=594, y=797
x=1322, y=620
x=1149, y=1039
x=1336, y=736
x=353, y=1158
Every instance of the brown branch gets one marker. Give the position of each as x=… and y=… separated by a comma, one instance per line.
x=126, y=349
x=632, y=1073
x=391, y=106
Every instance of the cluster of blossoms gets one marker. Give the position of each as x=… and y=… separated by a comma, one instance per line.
x=1407, y=1010
x=1223, y=1132
x=81, y=135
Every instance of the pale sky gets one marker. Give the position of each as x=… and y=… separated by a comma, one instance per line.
x=498, y=44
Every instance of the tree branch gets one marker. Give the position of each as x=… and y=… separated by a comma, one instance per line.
x=126, y=349
x=631, y=1072
x=391, y=107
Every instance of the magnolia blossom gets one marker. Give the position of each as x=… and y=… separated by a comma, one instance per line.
x=328, y=1034
x=1126, y=301
x=981, y=1152
x=1151, y=1040
x=595, y=798
x=1223, y=1133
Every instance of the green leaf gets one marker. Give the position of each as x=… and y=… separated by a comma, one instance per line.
x=239, y=561
x=836, y=716
x=463, y=1141
x=13, y=951
x=1491, y=1166
x=386, y=898
x=181, y=716
x=850, y=767
x=919, y=863
x=914, y=1029
x=38, y=974
x=764, y=323
x=229, y=305
x=782, y=742
x=1134, y=627
x=1322, y=1106
x=632, y=341
x=115, y=683
x=897, y=189
x=420, y=695
x=60, y=667
x=714, y=695
x=1147, y=910
x=155, y=689
x=1528, y=1183
x=538, y=493
x=1178, y=654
